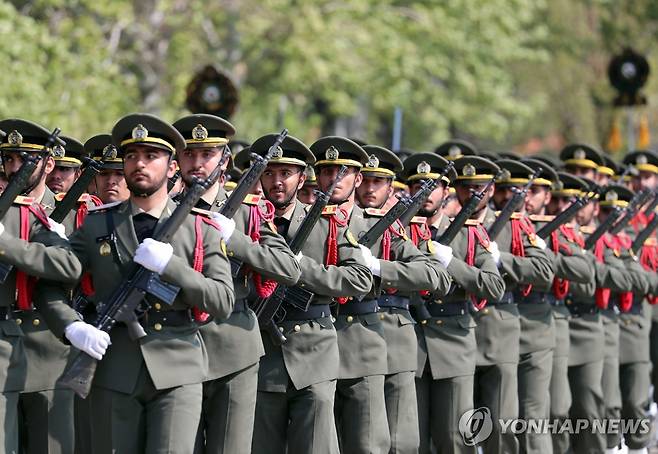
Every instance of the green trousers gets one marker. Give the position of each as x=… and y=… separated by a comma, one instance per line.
x=561, y=400
x=296, y=421
x=634, y=384
x=148, y=421
x=534, y=401
x=402, y=412
x=45, y=422
x=610, y=380
x=9, y=422
x=587, y=403
x=82, y=424
x=227, y=418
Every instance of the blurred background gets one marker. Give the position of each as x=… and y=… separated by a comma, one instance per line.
x=522, y=75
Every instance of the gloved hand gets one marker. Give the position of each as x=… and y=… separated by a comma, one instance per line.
x=540, y=243
x=371, y=261
x=88, y=339
x=57, y=228
x=495, y=252
x=226, y=226
x=299, y=256
x=153, y=255
x=2, y=228
x=442, y=253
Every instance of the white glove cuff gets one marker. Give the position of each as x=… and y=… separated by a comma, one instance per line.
x=376, y=268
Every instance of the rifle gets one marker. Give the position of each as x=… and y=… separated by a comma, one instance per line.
x=127, y=302
x=18, y=183
x=511, y=206
x=603, y=227
x=425, y=191
x=171, y=182
x=636, y=202
x=652, y=206
x=267, y=309
x=80, y=186
x=645, y=233
x=248, y=179
x=464, y=214
x=567, y=215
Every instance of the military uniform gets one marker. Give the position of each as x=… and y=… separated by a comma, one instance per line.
x=447, y=346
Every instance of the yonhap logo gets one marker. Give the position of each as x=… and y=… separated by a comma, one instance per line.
x=475, y=426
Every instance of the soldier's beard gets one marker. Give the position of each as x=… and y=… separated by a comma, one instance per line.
x=279, y=205
x=427, y=213
x=145, y=192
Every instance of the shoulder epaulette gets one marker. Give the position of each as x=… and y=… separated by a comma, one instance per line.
x=23, y=200
x=472, y=222
x=651, y=242
x=586, y=229
x=375, y=212
x=104, y=207
x=516, y=216
x=330, y=209
x=541, y=217
x=84, y=197
x=252, y=199
x=418, y=220
x=205, y=213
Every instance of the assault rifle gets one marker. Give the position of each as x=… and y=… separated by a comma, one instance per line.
x=269, y=309
x=18, y=184
x=128, y=301
x=425, y=192
x=567, y=214
x=603, y=227
x=512, y=205
x=645, y=233
x=630, y=211
x=248, y=179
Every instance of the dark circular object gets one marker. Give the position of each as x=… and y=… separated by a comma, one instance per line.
x=212, y=92
x=628, y=72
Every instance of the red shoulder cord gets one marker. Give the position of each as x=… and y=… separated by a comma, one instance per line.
x=331, y=257
x=24, y=283
x=602, y=295
x=519, y=226
x=648, y=256
x=618, y=243
x=420, y=232
x=264, y=287
x=386, y=246
x=561, y=286
x=199, y=253
x=483, y=239
x=86, y=283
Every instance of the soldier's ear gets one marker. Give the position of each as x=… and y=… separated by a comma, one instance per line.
x=358, y=179
x=49, y=164
x=171, y=170
x=302, y=180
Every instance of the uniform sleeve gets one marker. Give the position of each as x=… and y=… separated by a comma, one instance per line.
x=611, y=274
x=51, y=300
x=350, y=277
x=270, y=257
x=210, y=291
x=482, y=280
x=411, y=270
x=535, y=268
x=575, y=267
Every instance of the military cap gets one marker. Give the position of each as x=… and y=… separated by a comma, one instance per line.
x=592, y=187
x=149, y=130
x=547, y=176
x=512, y=173
x=403, y=153
x=581, y=155
x=358, y=141
x=336, y=151
x=236, y=145
x=609, y=167
x=242, y=159
x=69, y=155
x=509, y=155
x=381, y=162
x=23, y=135
x=490, y=155
x=311, y=179
x=424, y=166
x=550, y=160
x=98, y=145
x=454, y=149
x=292, y=150
x=643, y=160
x=474, y=170
x=204, y=131
x=615, y=195
x=570, y=186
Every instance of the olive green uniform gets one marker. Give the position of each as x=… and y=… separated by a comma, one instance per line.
x=364, y=347
x=297, y=380
x=234, y=345
x=447, y=348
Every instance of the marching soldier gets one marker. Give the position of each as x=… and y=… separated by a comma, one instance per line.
x=297, y=380
x=306, y=194
x=234, y=345
x=516, y=321
x=447, y=348
x=67, y=165
x=402, y=269
x=110, y=182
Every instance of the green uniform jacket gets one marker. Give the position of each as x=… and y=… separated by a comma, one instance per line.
x=235, y=343
x=449, y=342
x=173, y=356
x=310, y=355
x=634, y=327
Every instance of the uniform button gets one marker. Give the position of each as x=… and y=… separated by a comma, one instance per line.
x=157, y=327
x=297, y=328
x=439, y=322
x=281, y=328
x=568, y=301
x=230, y=253
x=423, y=322
x=333, y=319
x=350, y=298
x=389, y=283
x=157, y=306
x=486, y=310
x=19, y=321
x=301, y=285
x=36, y=322
x=350, y=319
x=439, y=301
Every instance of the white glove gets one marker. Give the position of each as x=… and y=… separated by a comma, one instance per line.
x=442, y=253
x=371, y=261
x=2, y=228
x=540, y=243
x=88, y=339
x=495, y=252
x=226, y=226
x=299, y=256
x=57, y=228
x=153, y=255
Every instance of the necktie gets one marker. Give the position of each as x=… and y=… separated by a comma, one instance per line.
x=144, y=225
x=282, y=225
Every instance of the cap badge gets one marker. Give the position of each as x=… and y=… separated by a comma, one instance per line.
x=278, y=153
x=58, y=151
x=112, y=150
x=424, y=167
x=331, y=154
x=469, y=170
x=15, y=138
x=373, y=162
x=310, y=173
x=579, y=154
x=505, y=174
x=641, y=159
x=199, y=132
x=140, y=132
x=611, y=196
x=559, y=185
x=454, y=152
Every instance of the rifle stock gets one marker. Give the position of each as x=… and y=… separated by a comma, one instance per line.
x=603, y=227
x=425, y=191
x=512, y=205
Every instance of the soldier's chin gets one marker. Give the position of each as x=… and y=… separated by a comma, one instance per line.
x=142, y=190
x=426, y=213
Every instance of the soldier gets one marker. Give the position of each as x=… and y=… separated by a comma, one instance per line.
x=446, y=335
x=234, y=344
x=516, y=320
x=67, y=165
x=297, y=380
x=455, y=149
x=110, y=182
x=403, y=268
x=608, y=172
x=307, y=193
x=581, y=160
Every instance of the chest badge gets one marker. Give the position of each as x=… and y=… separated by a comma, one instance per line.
x=105, y=249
